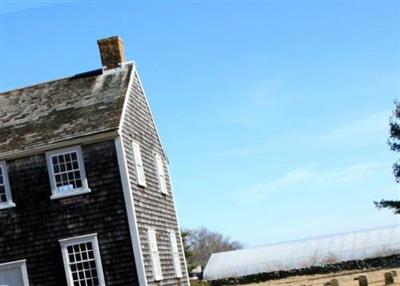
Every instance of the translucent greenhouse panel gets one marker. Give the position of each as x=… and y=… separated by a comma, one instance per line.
x=304, y=253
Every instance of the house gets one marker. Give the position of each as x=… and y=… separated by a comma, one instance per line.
x=85, y=190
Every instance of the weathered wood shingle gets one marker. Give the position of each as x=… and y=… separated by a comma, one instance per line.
x=60, y=110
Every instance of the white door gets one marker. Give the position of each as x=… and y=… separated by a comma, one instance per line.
x=13, y=274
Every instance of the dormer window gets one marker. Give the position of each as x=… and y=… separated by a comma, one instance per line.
x=5, y=191
x=67, y=172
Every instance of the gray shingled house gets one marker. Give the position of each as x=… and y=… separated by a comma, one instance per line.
x=85, y=189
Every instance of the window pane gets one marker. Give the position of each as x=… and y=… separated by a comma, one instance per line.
x=67, y=157
x=3, y=196
x=75, y=165
x=74, y=156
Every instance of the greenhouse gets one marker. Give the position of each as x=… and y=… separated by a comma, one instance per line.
x=305, y=253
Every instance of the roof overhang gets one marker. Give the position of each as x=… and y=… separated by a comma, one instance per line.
x=84, y=140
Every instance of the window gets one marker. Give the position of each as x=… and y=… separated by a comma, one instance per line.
x=5, y=192
x=161, y=174
x=175, y=254
x=14, y=273
x=82, y=261
x=67, y=172
x=154, y=255
x=138, y=164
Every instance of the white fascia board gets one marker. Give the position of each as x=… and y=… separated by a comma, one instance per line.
x=177, y=222
x=135, y=71
x=126, y=99
x=131, y=212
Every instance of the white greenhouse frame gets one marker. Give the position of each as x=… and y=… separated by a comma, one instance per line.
x=305, y=253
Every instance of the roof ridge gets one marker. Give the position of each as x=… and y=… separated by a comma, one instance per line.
x=42, y=83
x=89, y=73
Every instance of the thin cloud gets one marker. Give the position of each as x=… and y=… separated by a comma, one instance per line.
x=391, y=190
x=256, y=101
x=368, y=130
x=8, y=7
x=307, y=178
x=360, y=130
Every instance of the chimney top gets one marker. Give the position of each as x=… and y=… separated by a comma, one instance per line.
x=112, y=52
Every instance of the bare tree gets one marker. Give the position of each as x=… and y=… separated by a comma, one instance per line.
x=203, y=242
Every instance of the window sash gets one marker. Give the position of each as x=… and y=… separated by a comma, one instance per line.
x=141, y=179
x=64, y=172
x=74, y=175
x=154, y=255
x=175, y=254
x=161, y=174
x=77, y=257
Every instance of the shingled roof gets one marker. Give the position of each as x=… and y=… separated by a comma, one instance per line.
x=60, y=110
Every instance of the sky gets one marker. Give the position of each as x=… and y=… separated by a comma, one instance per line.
x=274, y=114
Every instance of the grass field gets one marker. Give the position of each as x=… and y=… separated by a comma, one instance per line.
x=346, y=278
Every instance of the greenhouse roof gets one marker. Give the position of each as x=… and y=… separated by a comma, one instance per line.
x=304, y=253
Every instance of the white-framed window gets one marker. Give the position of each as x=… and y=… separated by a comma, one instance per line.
x=82, y=262
x=5, y=190
x=137, y=156
x=67, y=172
x=161, y=174
x=154, y=255
x=14, y=273
x=175, y=254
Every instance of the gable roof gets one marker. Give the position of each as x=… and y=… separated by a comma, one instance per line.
x=60, y=110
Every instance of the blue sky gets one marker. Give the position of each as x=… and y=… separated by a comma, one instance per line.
x=274, y=114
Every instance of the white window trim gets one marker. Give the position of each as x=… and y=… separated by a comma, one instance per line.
x=85, y=187
x=9, y=203
x=157, y=275
x=175, y=256
x=77, y=240
x=162, y=183
x=17, y=264
x=140, y=174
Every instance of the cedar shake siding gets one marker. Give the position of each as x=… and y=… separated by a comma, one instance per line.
x=153, y=209
x=31, y=230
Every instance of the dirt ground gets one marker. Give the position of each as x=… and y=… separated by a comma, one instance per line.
x=346, y=278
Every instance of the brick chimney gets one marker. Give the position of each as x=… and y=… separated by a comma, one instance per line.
x=112, y=52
